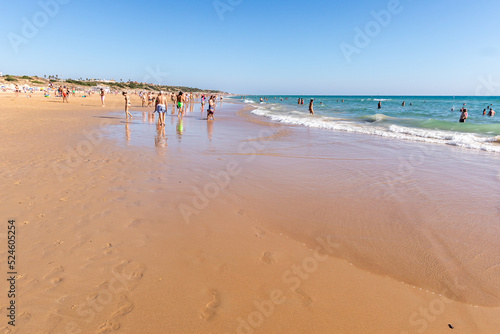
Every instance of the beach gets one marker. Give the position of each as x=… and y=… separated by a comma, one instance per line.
x=241, y=225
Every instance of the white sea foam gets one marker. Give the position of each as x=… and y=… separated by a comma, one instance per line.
x=466, y=140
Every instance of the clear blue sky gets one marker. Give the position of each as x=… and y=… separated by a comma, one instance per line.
x=260, y=47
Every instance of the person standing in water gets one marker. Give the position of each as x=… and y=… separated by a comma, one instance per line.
x=311, y=109
x=464, y=115
x=380, y=104
x=127, y=105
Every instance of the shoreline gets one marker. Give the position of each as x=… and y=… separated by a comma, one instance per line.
x=118, y=208
x=395, y=121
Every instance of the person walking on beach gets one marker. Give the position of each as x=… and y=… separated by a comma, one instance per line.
x=211, y=109
x=150, y=99
x=161, y=107
x=311, y=109
x=464, y=115
x=64, y=93
x=180, y=103
x=103, y=96
x=127, y=105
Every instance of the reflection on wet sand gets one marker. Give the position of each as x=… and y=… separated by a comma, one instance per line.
x=179, y=129
x=160, y=138
x=210, y=130
x=127, y=132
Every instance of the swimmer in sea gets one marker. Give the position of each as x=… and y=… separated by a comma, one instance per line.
x=380, y=104
x=491, y=113
x=311, y=109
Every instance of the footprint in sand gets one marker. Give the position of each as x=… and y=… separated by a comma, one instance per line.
x=129, y=273
x=259, y=232
x=304, y=298
x=125, y=308
x=266, y=258
x=107, y=248
x=23, y=317
x=54, y=275
x=210, y=309
x=108, y=327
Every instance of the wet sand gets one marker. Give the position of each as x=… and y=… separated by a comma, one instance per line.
x=241, y=225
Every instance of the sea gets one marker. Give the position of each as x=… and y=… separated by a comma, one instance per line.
x=431, y=119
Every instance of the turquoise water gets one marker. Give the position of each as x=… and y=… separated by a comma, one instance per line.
x=424, y=118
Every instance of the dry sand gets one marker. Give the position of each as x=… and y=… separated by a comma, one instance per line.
x=114, y=236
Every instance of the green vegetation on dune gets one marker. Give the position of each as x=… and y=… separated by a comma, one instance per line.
x=82, y=83
x=112, y=85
